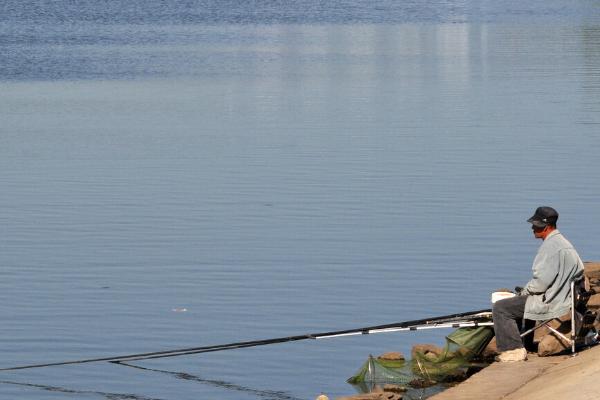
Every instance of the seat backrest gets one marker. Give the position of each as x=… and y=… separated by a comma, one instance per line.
x=582, y=296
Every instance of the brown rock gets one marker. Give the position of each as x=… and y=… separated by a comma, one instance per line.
x=377, y=389
x=394, y=388
x=373, y=396
x=428, y=350
x=592, y=269
x=549, y=342
x=421, y=383
x=594, y=301
x=552, y=344
x=392, y=356
x=490, y=350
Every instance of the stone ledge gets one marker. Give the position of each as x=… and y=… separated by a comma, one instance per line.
x=500, y=379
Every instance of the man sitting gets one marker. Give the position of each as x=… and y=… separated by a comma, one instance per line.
x=547, y=295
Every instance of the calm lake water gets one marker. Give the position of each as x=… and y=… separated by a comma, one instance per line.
x=276, y=168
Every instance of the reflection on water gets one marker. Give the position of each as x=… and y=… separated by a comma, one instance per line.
x=590, y=37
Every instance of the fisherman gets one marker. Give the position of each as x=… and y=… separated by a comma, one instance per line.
x=547, y=295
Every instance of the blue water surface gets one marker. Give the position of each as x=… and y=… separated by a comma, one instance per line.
x=187, y=173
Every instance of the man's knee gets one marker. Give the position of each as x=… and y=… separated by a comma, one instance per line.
x=513, y=307
x=500, y=308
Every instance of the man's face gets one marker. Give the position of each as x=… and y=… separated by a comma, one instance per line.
x=539, y=233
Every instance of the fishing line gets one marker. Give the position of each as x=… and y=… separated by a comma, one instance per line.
x=269, y=394
x=452, y=320
x=59, y=389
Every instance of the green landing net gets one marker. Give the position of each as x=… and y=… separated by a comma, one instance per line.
x=462, y=350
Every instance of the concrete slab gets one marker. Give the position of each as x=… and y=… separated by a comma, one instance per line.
x=576, y=377
x=500, y=380
x=539, y=378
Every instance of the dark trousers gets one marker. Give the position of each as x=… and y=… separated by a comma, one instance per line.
x=507, y=315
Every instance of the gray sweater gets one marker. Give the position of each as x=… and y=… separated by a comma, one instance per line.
x=549, y=291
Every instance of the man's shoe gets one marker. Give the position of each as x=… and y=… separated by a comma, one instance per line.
x=512, y=355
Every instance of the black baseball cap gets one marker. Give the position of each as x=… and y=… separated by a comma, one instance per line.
x=544, y=216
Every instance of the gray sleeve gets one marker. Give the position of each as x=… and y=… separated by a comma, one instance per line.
x=545, y=270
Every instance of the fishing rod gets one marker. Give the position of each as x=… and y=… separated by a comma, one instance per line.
x=466, y=319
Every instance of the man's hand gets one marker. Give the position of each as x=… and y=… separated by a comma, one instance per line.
x=519, y=291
